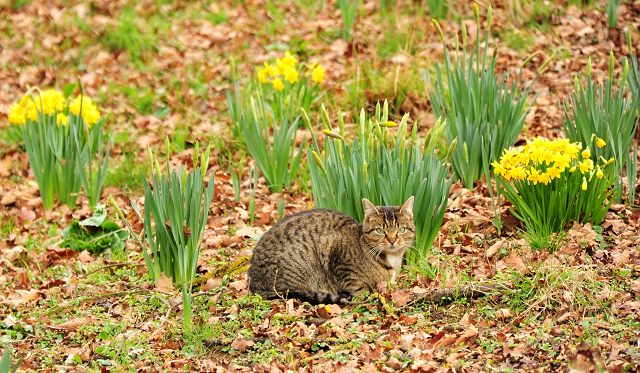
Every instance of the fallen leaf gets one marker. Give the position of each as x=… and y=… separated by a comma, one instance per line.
x=164, y=284
x=211, y=283
x=26, y=214
x=241, y=345
x=495, y=248
x=85, y=257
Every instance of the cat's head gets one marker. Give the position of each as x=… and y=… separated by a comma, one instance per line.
x=389, y=228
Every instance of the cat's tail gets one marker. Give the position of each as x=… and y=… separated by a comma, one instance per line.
x=307, y=296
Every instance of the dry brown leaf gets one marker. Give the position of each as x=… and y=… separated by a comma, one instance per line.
x=85, y=257
x=241, y=345
x=495, y=248
x=164, y=284
x=211, y=283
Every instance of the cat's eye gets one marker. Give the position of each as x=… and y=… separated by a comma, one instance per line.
x=401, y=230
x=380, y=231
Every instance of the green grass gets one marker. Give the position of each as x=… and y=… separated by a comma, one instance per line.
x=517, y=39
x=541, y=242
x=124, y=173
x=19, y=4
x=132, y=34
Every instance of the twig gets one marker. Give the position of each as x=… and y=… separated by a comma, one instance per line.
x=112, y=266
x=115, y=358
x=438, y=295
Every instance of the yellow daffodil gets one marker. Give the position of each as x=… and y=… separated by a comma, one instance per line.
x=52, y=101
x=90, y=112
x=318, y=74
x=572, y=169
x=545, y=178
x=586, y=153
x=271, y=70
x=262, y=75
x=586, y=165
x=498, y=169
x=599, y=173
x=291, y=75
x=600, y=142
x=584, y=183
x=17, y=113
x=277, y=84
x=553, y=172
x=289, y=60
x=61, y=119
x=534, y=176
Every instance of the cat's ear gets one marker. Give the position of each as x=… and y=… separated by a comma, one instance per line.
x=407, y=206
x=369, y=208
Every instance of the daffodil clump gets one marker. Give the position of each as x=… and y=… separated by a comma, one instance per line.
x=64, y=139
x=292, y=80
x=53, y=104
x=554, y=182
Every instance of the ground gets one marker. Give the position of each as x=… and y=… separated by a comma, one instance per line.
x=161, y=69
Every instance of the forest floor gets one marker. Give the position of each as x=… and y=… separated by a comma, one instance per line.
x=161, y=69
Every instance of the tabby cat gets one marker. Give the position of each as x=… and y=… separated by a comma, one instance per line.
x=324, y=256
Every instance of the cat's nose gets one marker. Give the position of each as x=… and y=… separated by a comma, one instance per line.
x=391, y=239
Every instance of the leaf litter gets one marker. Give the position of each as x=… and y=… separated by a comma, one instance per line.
x=63, y=308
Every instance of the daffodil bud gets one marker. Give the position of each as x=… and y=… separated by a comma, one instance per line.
x=589, y=66
x=116, y=207
x=385, y=111
x=530, y=58
x=305, y=117
x=325, y=117
x=457, y=42
x=611, y=65
x=572, y=169
x=610, y=161
x=452, y=147
x=629, y=40
x=318, y=161
x=625, y=73
x=332, y=134
x=489, y=14
x=389, y=124
x=435, y=23
x=204, y=161
x=464, y=35
x=546, y=63
x=584, y=183
x=196, y=153
x=476, y=14
x=599, y=173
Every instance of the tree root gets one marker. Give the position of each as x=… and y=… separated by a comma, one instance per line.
x=238, y=266
x=436, y=296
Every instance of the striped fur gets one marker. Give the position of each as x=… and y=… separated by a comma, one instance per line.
x=323, y=256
